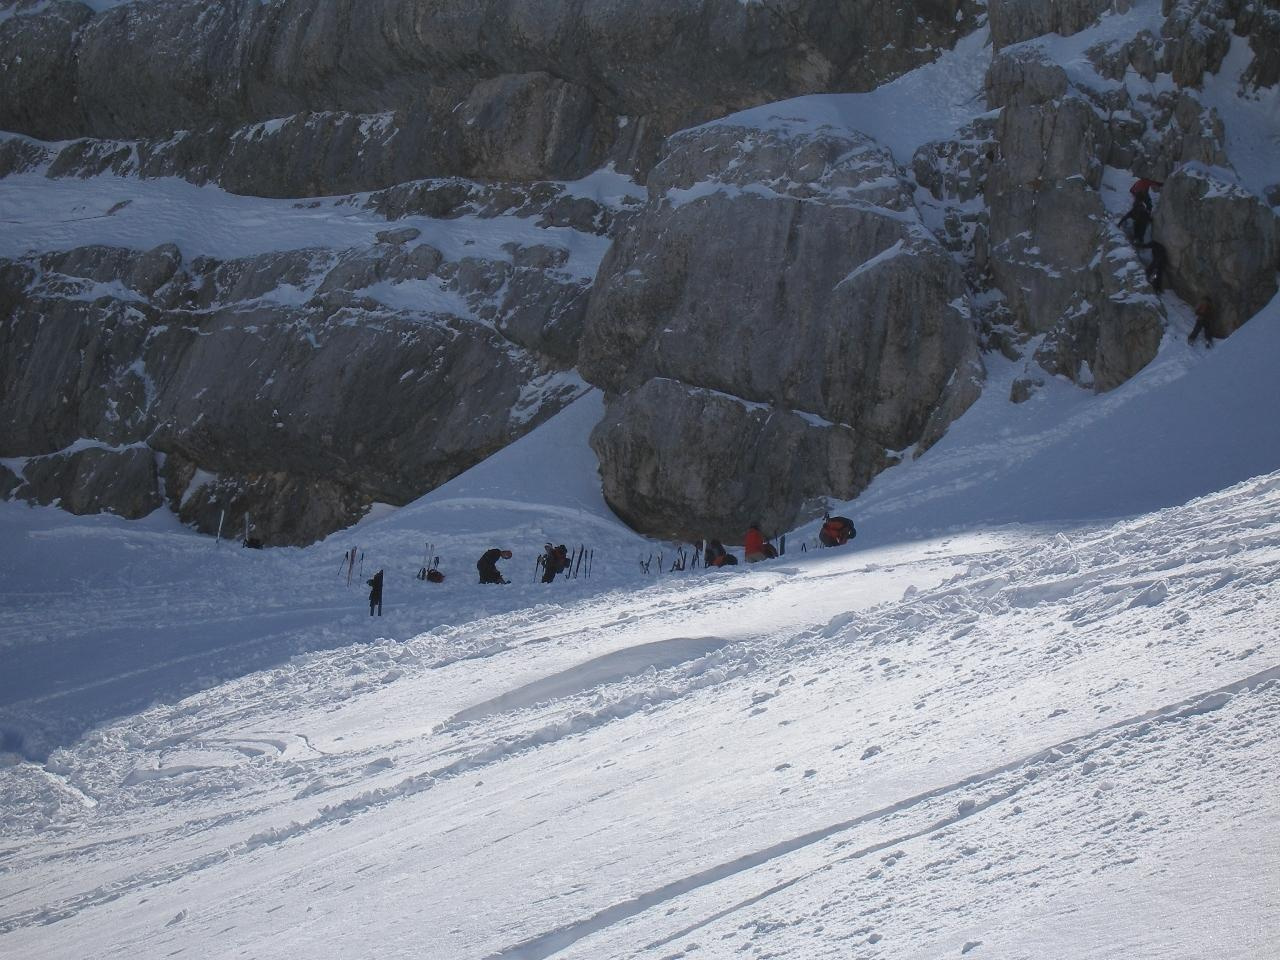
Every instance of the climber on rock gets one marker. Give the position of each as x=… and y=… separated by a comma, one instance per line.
x=1159, y=260
x=1141, y=191
x=1205, y=322
x=1140, y=214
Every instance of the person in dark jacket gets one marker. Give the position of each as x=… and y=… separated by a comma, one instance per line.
x=1159, y=260
x=375, y=593
x=488, y=565
x=715, y=555
x=836, y=531
x=1205, y=322
x=555, y=560
x=1140, y=214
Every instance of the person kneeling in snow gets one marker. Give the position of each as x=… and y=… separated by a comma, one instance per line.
x=755, y=547
x=836, y=531
x=488, y=566
x=716, y=555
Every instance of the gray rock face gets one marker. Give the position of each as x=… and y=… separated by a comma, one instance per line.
x=1223, y=243
x=277, y=385
x=38, y=85
x=1197, y=35
x=1013, y=21
x=95, y=480
x=665, y=447
x=867, y=340
x=20, y=155
x=489, y=89
x=1067, y=273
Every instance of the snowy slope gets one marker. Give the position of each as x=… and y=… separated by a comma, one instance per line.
x=905, y=750
x=1014, y=740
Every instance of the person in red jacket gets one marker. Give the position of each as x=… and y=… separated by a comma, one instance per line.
x=755, y=547
x=1141, y=191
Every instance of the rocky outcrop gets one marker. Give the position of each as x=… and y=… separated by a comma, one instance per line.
x=1067, y=274
x=1223, y=243
x=297, y=387
x=1013, y=21
x=122, y=481
x=489, y=89
x=849, y=352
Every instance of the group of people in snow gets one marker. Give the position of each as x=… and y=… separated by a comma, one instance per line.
x=1139, y=220
x=835, y=531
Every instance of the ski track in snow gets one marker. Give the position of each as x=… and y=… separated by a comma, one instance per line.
x=1088, y=656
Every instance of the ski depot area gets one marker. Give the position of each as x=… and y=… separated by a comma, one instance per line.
x=1031, y=711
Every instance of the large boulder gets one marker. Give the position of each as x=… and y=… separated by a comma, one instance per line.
x=684, y=462
x=1223, y=242
x=783, y=268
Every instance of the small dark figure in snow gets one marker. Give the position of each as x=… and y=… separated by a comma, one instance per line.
x=375, y=593
x=554, y=560
x=755, y=547
x=1141, y=191
x=1140, y=214
x=715, y=555
x=1159, y=260
x=836, y=531
x=488, y=566
x=1205, y=322
x=434, y=576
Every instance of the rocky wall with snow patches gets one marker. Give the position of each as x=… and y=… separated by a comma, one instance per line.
x=779, y=236
x=287, y=386
x=493, y=89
